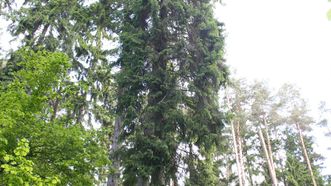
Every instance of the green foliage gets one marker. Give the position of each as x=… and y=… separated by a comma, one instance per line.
x=76, y=28
x=277, y=113
x=171, y=71
x=36, y=149
x=296, y=172
x=17, y=170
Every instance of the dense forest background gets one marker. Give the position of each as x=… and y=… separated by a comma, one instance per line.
x=138, y=92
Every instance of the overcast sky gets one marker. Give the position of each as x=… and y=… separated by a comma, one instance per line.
x=282, y=41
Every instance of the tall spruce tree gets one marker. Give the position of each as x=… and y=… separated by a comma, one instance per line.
x=171, y=70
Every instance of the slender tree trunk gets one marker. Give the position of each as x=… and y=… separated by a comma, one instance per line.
x=55, y=109
x=269, y=146
x=235, y=149
x=55, y=105
x=265, y=150
x=306, y=155
x=113, y=178
x=240, y=153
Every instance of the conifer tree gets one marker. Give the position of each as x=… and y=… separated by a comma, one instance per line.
x=76, y=28
x=171, y=70
x=296, y=172
x=263, y=116
x=298, y=117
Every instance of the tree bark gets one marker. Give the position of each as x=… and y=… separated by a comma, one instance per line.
x=240, y=152
x=113, y=178
x=269, y=146
x=235, y=148
x=306, y=155
x=265, y=150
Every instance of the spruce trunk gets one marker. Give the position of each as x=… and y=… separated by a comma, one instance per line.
x=113, y=178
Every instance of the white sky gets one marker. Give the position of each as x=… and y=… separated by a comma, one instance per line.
x=282, y=41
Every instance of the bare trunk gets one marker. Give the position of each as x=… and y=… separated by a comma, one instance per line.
x=55, y=105
x=55, y=108
x=269, y=146
x=113, y=178
x=235, y=149
x=306, y=155
x=240, y=153
x=270, y=167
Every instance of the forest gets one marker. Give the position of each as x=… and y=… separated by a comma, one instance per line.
x=139, y=93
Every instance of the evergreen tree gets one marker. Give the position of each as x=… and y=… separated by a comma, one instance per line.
x=171, y=70
x=262, y=116
x=298, y=117
x=296, y=171
x=78, y=29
